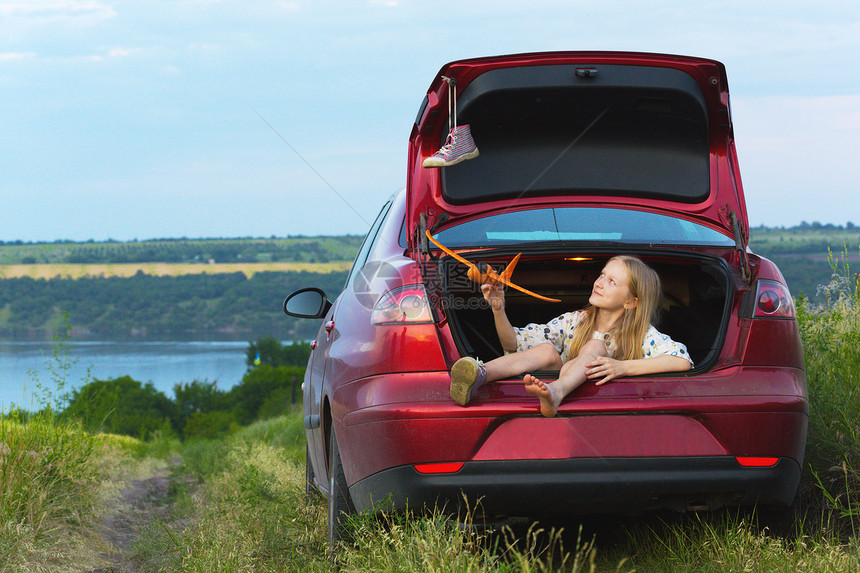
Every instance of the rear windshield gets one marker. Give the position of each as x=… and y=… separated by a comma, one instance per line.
x=581, y=224
x=630, y=131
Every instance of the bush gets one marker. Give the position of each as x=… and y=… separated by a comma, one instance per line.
x=122, y=406
x=257, y=385
x=279, y=402
x=269, y=351
x=210, y=425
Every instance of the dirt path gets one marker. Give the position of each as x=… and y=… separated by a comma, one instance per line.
x=143, y=503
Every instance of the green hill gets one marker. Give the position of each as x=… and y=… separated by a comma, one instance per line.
x=243, y=305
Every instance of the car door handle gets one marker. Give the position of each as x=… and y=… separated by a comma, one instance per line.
x=329, y=326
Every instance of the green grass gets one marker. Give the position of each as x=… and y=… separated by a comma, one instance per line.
x=245, y=510
x=55, y=480
x=251, y=514
x=831, y=339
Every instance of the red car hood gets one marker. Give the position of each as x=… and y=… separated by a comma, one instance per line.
x=644, y=131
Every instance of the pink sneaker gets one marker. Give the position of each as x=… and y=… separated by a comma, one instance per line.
x=458, y=147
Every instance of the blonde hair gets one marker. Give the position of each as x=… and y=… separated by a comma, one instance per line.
x=629, y=332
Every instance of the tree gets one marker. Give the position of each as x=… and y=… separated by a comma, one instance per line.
x=257, y=385
x=268, y=350
x=210, y=425
x=197, y=398
x=122, y=406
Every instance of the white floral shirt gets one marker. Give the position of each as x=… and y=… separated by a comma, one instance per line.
x=559, y=333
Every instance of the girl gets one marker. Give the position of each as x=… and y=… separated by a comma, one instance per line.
x=611, y=337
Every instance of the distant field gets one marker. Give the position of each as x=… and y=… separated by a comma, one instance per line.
x=274, y=250
x=77, y=271
x=811, y=240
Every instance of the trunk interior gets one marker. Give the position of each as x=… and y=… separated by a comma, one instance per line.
x=697, y=291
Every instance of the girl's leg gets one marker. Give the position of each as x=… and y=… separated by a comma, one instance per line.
x=541, y=357
x=468, y=374
x=570, y=378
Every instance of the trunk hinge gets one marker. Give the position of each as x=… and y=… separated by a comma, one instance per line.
x=422, y=242
x=741, y=248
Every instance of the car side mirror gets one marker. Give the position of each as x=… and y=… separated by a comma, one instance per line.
x=307, y=303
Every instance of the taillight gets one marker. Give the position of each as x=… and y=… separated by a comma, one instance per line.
x=757, y=462
x=772, y=299
x=406, y=304
x=439, y=468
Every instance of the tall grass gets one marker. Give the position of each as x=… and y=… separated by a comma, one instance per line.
x=56, y=479
x=47, y=476
x=249, y=513
x=51, y=492
x=831, y=340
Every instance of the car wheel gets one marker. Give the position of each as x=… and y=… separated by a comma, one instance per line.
x=311, y=491
x=340, y=506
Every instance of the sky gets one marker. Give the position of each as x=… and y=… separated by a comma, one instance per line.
x=132, y=120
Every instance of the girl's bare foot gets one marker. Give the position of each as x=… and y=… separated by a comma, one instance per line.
x=549, y=402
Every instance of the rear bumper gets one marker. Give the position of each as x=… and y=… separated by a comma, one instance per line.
x=577, y=486
x=391, y=421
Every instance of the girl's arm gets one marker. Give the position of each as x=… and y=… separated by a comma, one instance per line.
x=604, y=369
x=495, y=295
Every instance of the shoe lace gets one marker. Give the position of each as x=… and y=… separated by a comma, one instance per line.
x=452, y=102
x=449, y=144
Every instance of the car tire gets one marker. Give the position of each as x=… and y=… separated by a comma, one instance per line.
x=340, y=505
x=311, y=491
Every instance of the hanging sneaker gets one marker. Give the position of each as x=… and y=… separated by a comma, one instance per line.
x=458, y=147
x=467, y=375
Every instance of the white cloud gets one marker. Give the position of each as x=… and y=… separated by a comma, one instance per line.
x=15, y=56
x=121, y=52
x=54, y=10
x=288, y=6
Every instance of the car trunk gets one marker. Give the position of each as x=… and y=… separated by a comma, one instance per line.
x=635, y=131
x=697, y=295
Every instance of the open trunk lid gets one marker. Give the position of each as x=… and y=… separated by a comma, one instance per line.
x=644, y=131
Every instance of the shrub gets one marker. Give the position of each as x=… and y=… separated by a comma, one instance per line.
x=279, y=402
x=122, y=406
x=257, y=385
x=210, y=425
x=269, y=350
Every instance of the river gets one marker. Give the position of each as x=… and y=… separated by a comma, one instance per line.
x=25, y=367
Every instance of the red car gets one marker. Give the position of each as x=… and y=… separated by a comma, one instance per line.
x=583, y=155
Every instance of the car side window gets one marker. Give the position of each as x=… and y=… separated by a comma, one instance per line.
x=368, y=242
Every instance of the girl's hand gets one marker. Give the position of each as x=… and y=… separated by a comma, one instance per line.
x=604, y=369
x=494, y=294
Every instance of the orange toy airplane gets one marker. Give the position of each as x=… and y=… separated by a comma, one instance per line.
x=489, y=274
